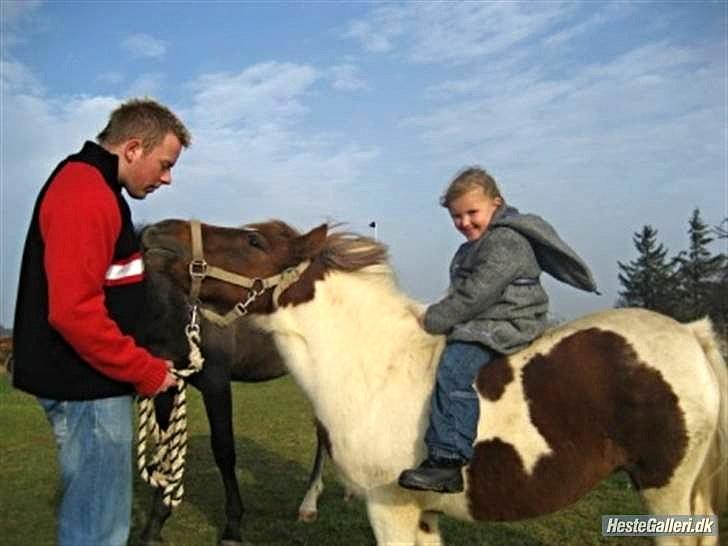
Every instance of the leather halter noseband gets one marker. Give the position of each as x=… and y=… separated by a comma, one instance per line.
x=199, y=269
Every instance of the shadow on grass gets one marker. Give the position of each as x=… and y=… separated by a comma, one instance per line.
x=272, y=487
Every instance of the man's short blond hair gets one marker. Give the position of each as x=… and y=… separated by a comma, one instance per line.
x=145, y=119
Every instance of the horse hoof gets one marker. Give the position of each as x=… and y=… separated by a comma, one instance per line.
x=230, y=543
x=307, y=517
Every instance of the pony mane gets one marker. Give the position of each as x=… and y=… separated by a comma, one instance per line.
x=343, y=251
x=348, y=251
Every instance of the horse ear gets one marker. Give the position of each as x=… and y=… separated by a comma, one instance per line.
x=312, y=243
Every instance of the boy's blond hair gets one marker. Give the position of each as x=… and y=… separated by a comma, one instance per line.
x=469, y=179
x=145, y=119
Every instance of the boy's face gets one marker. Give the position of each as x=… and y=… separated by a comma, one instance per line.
x=472, y=212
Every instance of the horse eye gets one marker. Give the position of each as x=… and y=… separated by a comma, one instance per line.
x=254, y=240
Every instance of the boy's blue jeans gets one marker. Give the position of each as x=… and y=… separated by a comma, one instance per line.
x=455, y=407
x=94, y=439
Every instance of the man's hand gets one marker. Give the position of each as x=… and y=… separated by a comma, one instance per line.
x=170, y=380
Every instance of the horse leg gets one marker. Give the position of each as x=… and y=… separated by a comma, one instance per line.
x=674, y=498
x=308, y=511
x=214, y=384
x=395, y=519
x=152, y=533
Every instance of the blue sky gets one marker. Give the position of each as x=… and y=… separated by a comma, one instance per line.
x=600, y=116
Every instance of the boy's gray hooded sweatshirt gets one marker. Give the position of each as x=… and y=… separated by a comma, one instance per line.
x=495, y=295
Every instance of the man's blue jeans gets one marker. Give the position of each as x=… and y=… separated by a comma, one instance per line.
x=455, y=406
x=94, y=439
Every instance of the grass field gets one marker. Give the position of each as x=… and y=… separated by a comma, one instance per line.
x=275, y=446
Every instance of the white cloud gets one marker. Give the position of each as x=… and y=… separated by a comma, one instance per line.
x=146, y=85
x=377, y=31
x=145, y=46
x=250, y=145
x=16, y=77
x=604, y=14
x=261, y=95
x=449, y=32
x=15, y=17
x=347, y=77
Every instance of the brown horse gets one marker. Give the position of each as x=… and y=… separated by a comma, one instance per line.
x=622, y=389
x=237, y=353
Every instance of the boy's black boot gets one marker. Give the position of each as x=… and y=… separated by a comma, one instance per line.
x=440, y=475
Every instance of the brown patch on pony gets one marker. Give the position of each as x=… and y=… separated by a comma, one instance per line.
x=493, y=378
x=303, y=290
x=343, y=252
x=323, y=435
x=600, y=409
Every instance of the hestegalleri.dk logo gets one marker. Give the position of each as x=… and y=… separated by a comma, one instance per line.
x=653, y=526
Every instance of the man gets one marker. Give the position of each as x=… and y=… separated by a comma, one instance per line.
x=79, y=298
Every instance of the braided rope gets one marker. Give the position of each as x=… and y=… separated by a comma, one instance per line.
x=166, y=466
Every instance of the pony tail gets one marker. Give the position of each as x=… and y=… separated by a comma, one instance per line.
x=712, y=482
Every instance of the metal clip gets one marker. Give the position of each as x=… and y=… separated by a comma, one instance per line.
x=242, y=308
x=193, y=327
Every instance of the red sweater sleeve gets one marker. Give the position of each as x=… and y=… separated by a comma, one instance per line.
x=80, y=223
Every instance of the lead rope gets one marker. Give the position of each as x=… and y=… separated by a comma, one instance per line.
x=166, y=466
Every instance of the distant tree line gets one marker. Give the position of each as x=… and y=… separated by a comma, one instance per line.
x=687, y=286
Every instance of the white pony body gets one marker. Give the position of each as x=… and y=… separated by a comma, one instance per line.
x=368, y=368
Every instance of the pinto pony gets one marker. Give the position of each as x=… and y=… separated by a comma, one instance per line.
x=624, y=389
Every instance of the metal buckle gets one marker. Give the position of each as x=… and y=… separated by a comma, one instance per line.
x=198, y=269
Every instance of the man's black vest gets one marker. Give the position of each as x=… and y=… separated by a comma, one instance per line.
x=43, y=363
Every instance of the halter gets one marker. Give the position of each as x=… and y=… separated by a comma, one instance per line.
x=199, y=269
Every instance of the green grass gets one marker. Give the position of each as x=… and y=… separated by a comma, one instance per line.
x=275, y=447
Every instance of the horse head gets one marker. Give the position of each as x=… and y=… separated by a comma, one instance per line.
x=245, y=350
x=254, y=268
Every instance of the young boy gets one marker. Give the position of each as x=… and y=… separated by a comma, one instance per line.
x=496, y=305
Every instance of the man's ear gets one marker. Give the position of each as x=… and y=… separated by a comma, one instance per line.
x=311, y=244
x=132, y=150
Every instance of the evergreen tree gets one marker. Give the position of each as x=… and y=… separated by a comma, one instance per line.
x=649, y=281
x=698, y=270
x=721, y=230
x=718, y=307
